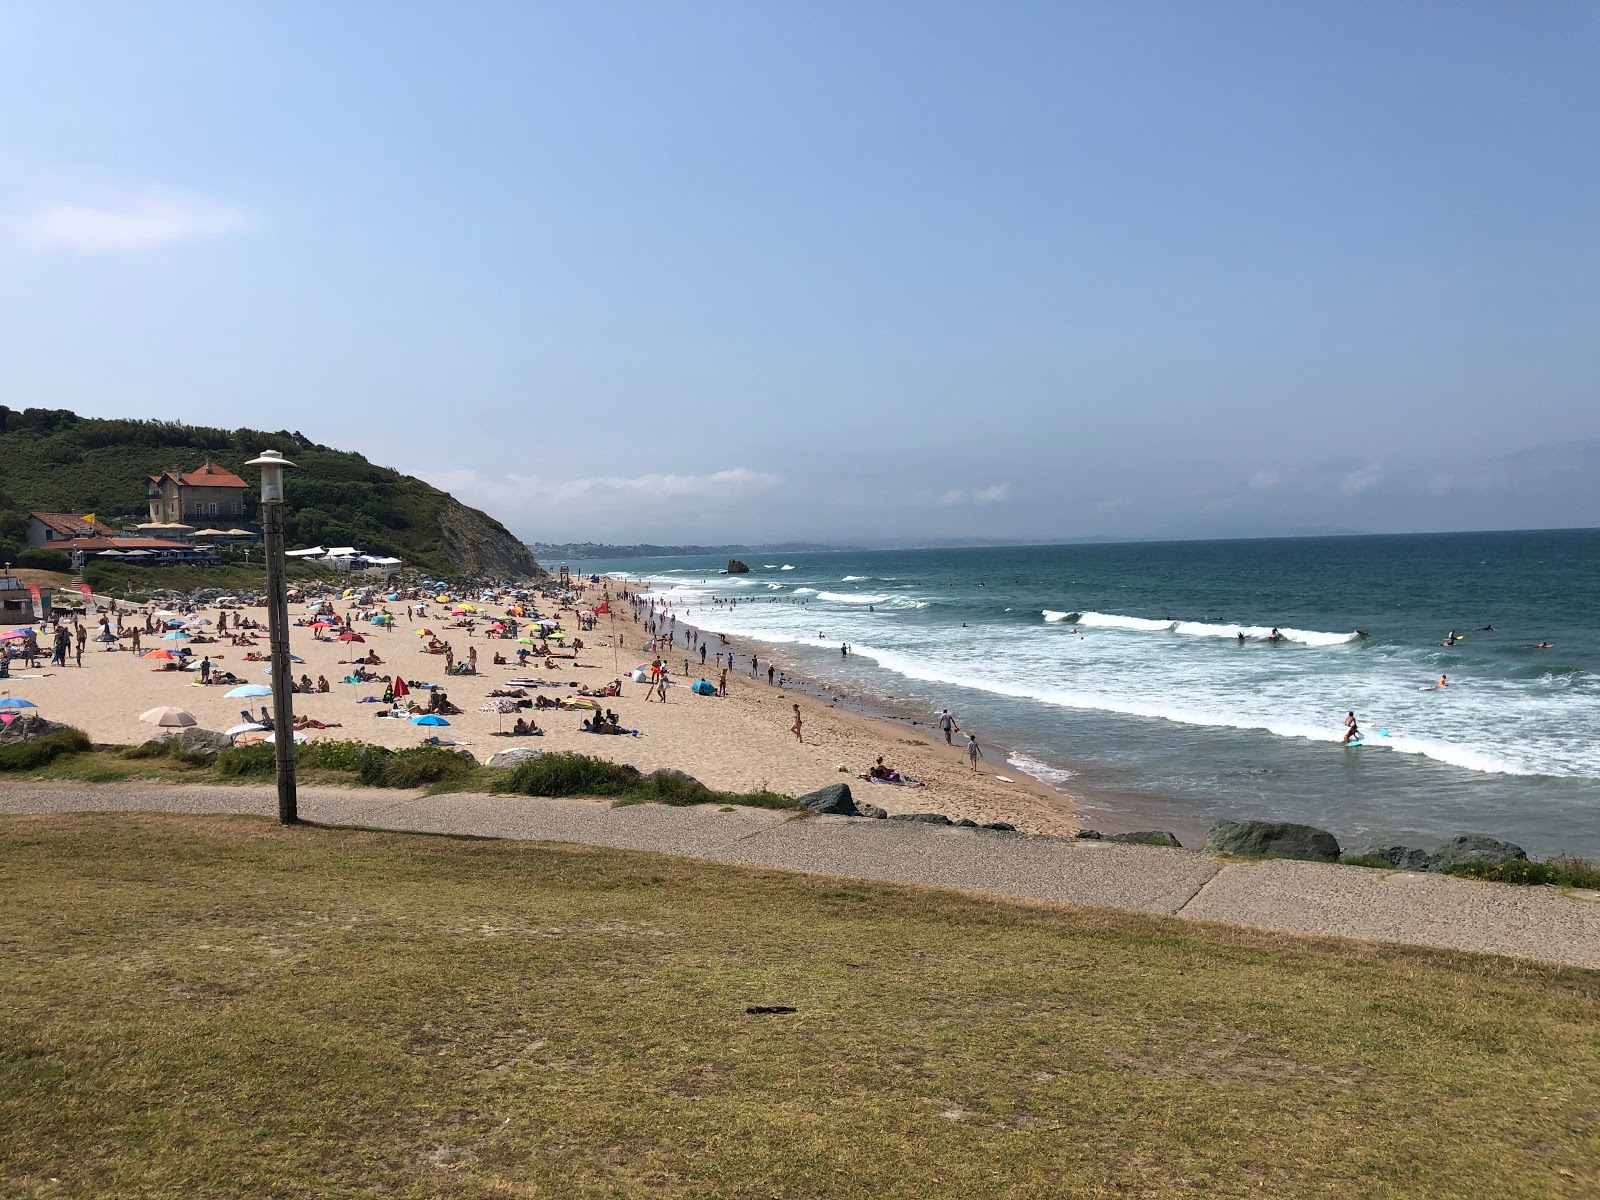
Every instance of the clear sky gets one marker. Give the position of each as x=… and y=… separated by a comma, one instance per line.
x=715, y=271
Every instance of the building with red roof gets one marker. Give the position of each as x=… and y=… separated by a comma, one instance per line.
x=177, y=496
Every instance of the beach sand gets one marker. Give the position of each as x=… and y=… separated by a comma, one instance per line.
x=740, y=742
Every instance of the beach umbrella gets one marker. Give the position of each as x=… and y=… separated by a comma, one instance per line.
x=248, y=691
x=168, y=717
x=17, y=634
x=247, y=727
x=160, y=655
x=351, y=637
x=429, y=719
x=399, y=688
x=200, y=621
x=299, y=737
x=525, y=641
x=177, y=635
x=165, y=613
x=17, y=702
x=394, y=595
x=174, y=624
x=324, y=625
x=348, y=592
x=466, y=608
x=502, y=706
x=423, y=632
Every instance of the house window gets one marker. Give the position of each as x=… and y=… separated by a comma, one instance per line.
x=213, y=510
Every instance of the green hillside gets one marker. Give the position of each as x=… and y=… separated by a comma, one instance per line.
x=54, y=460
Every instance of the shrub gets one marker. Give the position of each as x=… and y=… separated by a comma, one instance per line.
x=28, y=756
x=42, y=558
x=571, y=775
x=1563, y=870
x=254, y=758
x=167, y=748
x=334, y=755
x=423, y=765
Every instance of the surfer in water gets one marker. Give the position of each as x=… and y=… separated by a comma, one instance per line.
x=1442, y=681
x=1451, y=640
x=1352, y=731
x=1274, y=636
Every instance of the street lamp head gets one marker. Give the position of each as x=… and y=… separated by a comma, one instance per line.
x=272, y=464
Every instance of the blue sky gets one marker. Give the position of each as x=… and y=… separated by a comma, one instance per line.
x=713, y=271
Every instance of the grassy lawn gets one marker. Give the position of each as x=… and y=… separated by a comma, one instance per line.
x=196, y=1007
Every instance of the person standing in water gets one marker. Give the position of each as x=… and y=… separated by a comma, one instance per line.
x=1352, y=730
x=948, y=724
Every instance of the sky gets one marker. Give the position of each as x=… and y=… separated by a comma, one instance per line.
x=704, y=272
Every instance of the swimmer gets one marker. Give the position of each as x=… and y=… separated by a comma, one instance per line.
x=1542, y=646
x=1442, y=681
x=1486, y=629
x=1352, y=730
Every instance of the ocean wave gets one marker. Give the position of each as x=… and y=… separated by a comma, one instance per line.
x=852, y=598
x=1303, y=637
x=852, y=579
x=1458, y=755
x=1041, y=771
x=1052, y=615
x=805, y=591
x=786, y=567
x=769, y=566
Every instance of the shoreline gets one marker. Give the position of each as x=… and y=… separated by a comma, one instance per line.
x=739, y=743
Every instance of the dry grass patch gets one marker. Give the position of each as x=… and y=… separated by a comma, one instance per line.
x=194, y=1007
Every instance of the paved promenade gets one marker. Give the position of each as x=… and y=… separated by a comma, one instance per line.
x=1291, y=897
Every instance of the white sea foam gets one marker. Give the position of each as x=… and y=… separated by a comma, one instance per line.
x=1043, y=771
x=1094, y=620
x=786, y=567
x=1303, y=637
x=852, y=598
x=852, y=579
x=1052, y=615
x=805, y=591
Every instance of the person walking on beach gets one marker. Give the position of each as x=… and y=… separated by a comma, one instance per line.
x=974, y=753
x=795, y=728
x=722, y=684
x=948, y=724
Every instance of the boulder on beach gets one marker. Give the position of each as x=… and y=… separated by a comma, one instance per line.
x=1272, y=839
x=195, y=740
x=1147, y=837
x=999, y=826
x=1476, y=847
x=673, y=775
x=866, y=808
x=921, y=818
x=1407, y=858
x=29, y=726
x=735, y=567
x=513, y=756
x=833, y=800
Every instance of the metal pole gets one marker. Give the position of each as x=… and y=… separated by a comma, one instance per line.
x=282, y=679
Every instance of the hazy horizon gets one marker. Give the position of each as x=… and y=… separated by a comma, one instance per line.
x=697, y=274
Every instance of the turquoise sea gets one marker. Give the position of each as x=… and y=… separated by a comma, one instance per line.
x=1116, y=672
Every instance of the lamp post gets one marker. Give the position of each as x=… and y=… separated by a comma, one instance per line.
x=272, y=465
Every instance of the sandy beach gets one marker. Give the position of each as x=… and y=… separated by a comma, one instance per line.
x=738, y=742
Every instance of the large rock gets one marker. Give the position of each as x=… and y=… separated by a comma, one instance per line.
x=735, y=567
x=27, y=727
x=205, y=742
x=513, y=756
x=1148, y=837
x=677, y=776
x=867, y=809
x=1272, y=839
x=921, y=818
x=1407, y=858
x=833, y=800
x=1476, y=847
x=1000, y=826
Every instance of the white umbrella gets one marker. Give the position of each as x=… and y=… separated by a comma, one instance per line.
x=299, y=737
x=168, y=717
x=247, y=727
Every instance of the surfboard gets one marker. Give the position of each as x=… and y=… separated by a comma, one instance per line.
x=1005, y=779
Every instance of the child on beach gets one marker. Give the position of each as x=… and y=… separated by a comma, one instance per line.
x=974, y=753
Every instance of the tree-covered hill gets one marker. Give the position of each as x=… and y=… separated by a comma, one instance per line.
x=54, y=460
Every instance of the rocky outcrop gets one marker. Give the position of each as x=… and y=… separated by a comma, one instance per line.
x=1476, y=847
x=1272, y=839
x=27, y=727
x=922, y=818
x=866, y=809
x=735, y=567
x=1147, y=837
x=477, y=544
x=1407, y=858
x=512, y=757
x=833, y=800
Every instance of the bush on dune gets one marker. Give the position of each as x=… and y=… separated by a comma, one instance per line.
x=30, y=755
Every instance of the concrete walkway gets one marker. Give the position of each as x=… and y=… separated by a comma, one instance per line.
x=1290, y=897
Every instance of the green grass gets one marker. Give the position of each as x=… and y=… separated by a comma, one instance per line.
x=1564, y=870
x=41, y=751
x=206, y=1007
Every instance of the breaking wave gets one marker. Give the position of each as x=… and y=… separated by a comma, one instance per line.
x=1303, y=637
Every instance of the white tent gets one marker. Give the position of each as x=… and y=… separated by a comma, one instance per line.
x=313, y=552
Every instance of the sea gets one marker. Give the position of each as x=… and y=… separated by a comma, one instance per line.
x=1116, y=673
